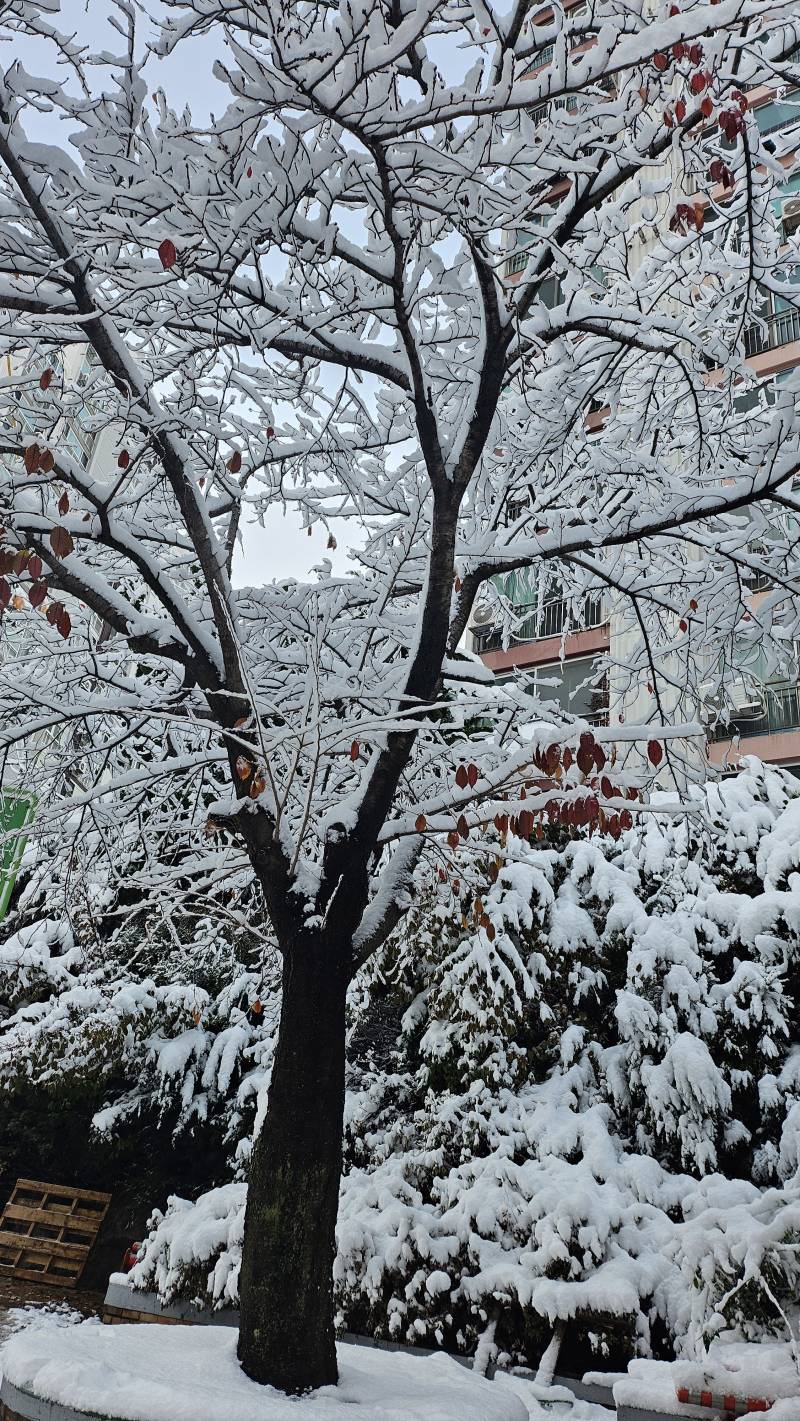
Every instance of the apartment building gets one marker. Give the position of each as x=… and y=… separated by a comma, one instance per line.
x=560, y=644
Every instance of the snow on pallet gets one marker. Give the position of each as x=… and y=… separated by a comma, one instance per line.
x=47, y=1230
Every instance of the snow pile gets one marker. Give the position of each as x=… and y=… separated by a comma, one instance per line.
x=144, y=1373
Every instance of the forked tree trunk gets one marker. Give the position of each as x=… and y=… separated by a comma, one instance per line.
x=286, y=1334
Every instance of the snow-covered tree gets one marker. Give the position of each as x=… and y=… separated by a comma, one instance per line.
x=307, y=302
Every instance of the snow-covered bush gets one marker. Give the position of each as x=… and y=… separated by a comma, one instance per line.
x=593, y=1110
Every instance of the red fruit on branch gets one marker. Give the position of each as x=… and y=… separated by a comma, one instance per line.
x=168, y=253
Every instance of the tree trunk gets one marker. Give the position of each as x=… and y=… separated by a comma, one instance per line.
x=286, y=1334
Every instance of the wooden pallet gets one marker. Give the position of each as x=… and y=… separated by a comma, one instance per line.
x=46, y=1231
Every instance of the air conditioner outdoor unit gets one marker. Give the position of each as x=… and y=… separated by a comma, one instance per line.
x=482, y=616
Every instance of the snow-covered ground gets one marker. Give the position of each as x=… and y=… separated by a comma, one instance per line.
x=145, y=1373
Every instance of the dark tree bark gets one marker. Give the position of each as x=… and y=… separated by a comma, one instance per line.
x=286, y=1333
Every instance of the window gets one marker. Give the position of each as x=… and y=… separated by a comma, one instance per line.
x=567, y=688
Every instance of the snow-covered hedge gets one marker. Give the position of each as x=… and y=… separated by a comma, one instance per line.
x=594, y=1109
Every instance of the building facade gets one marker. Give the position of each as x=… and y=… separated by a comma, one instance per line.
x=561, y=645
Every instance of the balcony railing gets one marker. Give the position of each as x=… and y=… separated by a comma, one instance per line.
x=781, y=712
x=774, y=331
x=536, y=623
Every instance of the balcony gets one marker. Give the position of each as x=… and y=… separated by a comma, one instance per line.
x=537, y=623
x=781, y=712
x=774, y=331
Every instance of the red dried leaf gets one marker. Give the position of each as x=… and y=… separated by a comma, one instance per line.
x=31, y=458
x=63, y=623
x=354, y=750
x=63, y=504
x=244, y=768
x=270, y=432
x=660, y=62
x=54, y=612
x=46, y=461
x=123, y=459
x=472, y=775
x=5, y=592
x=234, y=464
x=168, y=253
x=462, y=826
x=420, y=823
x=37, y=593
x=35, y=566
x=626, y=819
x=462, y=778
x=655, y=753
x=61, y=542
x=45, y=378
x=452, y=839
